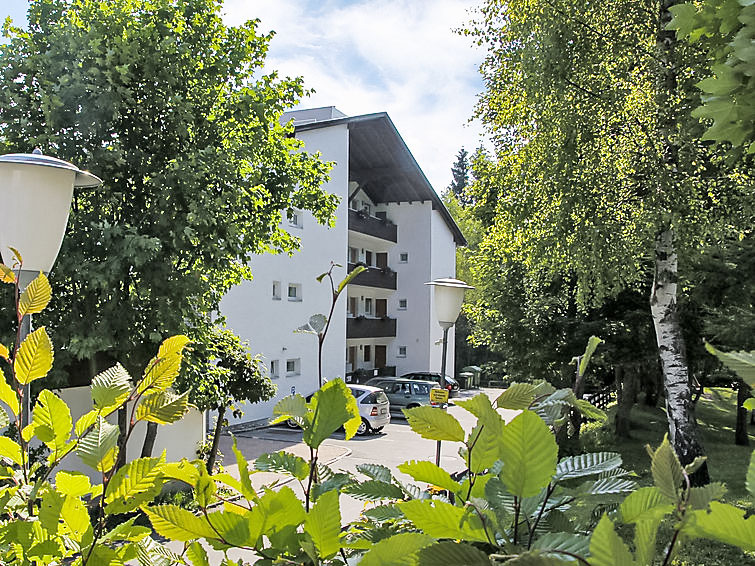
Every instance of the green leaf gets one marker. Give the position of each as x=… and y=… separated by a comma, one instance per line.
x=291, y=407
x=85, y=421
x=529, y=452
x=350, y=277
x=434, y=424
x=700, y=497
x=586, y=465
x=517, y=396
x=332, y=407
x=248, y=490
x=383, y=513
x=8, y=395
x=163, y=407
x=284, y=462
x=35, y=297
x=452, y=554
x=75, y=517
x=742, y=363
x=724, y=523
x=373, y=490
x=176, y=523
x=74, y=484
x=644, y=504
x=376, y=472
x=127, y=531
x=538, y=558
x=323, y=524
x=568, y=542
x=645, y=535
x=51, y=420
x=110, y=388
x=204, y=489
x=136, y=483
x=99, y=447
x=197, y=555
x=606, y=548
x=11, y=450
x=443, y=520
x=590, y=411
x=428, y=472
x=592, y=344
x=606, y=486
x=34, y=358
x=749, y=404
x=398, y=550
x=750, y=478
x=666, y=470
x=163, y=369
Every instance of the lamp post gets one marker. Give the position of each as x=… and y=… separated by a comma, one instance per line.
x=35, y=199
x=449, y=296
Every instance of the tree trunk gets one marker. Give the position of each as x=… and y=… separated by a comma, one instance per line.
x=215, y=440
x=122, y=430
x=625, y=395
x=741, y=437
x=679, y=408
x=149, y=440
x=651, y=385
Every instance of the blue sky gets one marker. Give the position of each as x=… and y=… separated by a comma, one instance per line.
x=365, y=56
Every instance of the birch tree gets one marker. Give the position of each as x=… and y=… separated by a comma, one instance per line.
x=600, y=171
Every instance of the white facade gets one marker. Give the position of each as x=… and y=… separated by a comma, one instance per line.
x=389, y=328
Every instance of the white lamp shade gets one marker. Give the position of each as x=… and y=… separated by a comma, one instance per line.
x=35, y=198
x=449, y=296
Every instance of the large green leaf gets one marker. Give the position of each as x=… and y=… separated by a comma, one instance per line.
x=539, y=558
x=283, y=462
x=529, y=452
x=666, y=470
x=176, y=523
x=291, y=407
x=374, y=490
x=517, y=396
x=197, y=554
x=606, y=486
x=34, y=358
x=590, y=411
x=134, y=484
x=592, y=344
x=700, y=497
x=35, y=297
x=741, y=363
x=163, y=369
x=127, y=531
x=323, y=524
x=434, y=424
x=99, y=447
x=586, y=465
x=428, y=472
x=567, y=542
x=645, y=536
x=485, y=437
x=452, y=554
x=724, y=523
x=247, y=489
x=51, y=420
x=376, y=472
x=443, y=520
x=398, y=550
x=332, y=407
x=110, y=388
x=8, y=395
x=163, y=407
x=11, y=450
x=350, y=277
x=644, y=504
x=606, y=548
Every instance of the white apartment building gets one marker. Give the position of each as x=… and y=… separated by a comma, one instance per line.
x=391, y=220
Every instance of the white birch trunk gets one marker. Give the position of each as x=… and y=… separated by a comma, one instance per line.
x=680, y=410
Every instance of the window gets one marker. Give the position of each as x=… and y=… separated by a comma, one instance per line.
x=403, y=257
x=274, y=368
x=368, y=306
x=353, y=204
x=366, y=208
x=368, y=258
x=352, y=310
x=402, y=304
x=420, y=389
x=293, y=367
x=277, y=290
x=294, y=292
x=295, y=219
x=401, y=352
x=353, y=255
x=367, y=353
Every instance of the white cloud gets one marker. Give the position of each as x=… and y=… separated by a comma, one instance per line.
x=398, y=56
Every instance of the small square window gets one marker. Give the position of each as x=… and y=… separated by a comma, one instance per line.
x=277, y=290
x=294, y=292
x=403, y=257
x=402, y=304
x=293, y=367
x=274, y=368
x=401, y=352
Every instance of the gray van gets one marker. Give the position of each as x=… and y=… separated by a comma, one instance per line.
x=404, y=393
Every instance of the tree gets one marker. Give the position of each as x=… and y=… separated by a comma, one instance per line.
x=460, y=172
x=599, y=163
x=172, y=109
x=222, y=372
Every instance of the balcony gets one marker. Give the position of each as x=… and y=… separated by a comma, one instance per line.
x=375, y=277
x=361, y=327
x=372, y=226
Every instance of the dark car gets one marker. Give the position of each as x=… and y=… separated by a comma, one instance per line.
x=451, y=384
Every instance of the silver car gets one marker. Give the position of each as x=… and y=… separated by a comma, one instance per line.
x=404, y=393
x=374, y=408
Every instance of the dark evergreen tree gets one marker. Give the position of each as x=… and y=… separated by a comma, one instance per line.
x=461, y=172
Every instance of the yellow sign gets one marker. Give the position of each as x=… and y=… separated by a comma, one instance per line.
x=439, y=395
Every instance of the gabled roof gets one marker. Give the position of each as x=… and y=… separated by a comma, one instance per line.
x=382, y=164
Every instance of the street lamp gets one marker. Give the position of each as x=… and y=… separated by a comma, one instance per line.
x=449, y=296
x=35, y=199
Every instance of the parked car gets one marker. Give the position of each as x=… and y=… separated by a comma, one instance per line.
x=404, y=393
x=451, y=384
x=374, y=408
